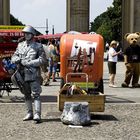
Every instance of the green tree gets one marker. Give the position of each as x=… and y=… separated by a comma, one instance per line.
x=109, y=23
x=15, y=21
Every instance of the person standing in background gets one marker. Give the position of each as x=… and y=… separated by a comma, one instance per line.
x=53, y=58
x=44, y=67
x=112, y=61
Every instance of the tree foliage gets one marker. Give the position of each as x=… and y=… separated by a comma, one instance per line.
x=15, y=21
x=109, y=23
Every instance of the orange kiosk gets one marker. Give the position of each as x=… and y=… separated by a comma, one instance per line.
x=81, y=58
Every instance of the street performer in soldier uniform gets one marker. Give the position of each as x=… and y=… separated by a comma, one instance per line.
x=28, y=57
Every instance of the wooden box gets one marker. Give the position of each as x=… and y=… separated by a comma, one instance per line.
x=96, y=102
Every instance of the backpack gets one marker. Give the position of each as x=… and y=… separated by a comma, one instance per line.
x=53, y=54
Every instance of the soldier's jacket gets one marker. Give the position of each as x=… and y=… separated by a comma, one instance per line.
x=30, y=58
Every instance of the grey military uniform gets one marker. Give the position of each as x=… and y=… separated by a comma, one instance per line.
x=30, y=57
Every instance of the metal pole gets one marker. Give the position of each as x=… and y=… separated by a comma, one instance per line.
x=47, y=26
x=53, y=29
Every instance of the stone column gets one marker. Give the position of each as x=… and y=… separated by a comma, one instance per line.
x=1, y=12
x=136, y=15
x=78, y=15
x=4, y=12
x=130, y=18
x=127, y=19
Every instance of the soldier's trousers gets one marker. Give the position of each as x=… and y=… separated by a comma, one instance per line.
x=32, y=88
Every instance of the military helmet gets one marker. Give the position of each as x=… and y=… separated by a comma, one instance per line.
x=29, y=29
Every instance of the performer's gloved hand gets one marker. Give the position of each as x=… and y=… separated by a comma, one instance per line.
x=17, y=61
x=26, y=63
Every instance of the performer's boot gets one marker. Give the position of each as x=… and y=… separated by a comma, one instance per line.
x=37, y=115
x=29, y=107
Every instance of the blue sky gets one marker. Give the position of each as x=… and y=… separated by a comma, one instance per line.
x=35, y=12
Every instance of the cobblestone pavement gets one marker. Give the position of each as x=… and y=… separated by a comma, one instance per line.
x=119, y=121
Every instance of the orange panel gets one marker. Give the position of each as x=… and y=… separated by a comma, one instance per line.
x=82, y=53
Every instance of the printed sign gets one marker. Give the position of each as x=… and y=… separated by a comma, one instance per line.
x=84, y=45
x=11, y=34
x=82, y=55
x=11, y=27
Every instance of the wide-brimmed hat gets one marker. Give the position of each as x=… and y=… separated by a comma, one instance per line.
x=113, y=43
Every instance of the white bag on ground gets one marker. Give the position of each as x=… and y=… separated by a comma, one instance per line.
x=76, y=113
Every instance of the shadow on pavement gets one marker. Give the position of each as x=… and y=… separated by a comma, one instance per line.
x=52, y=117
x=103, y=117
x=48, y=98
x=53, y=98
x=51, y=120
x=114, y=99
x=9, y=99
x=51, y=85
x=17, y=99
